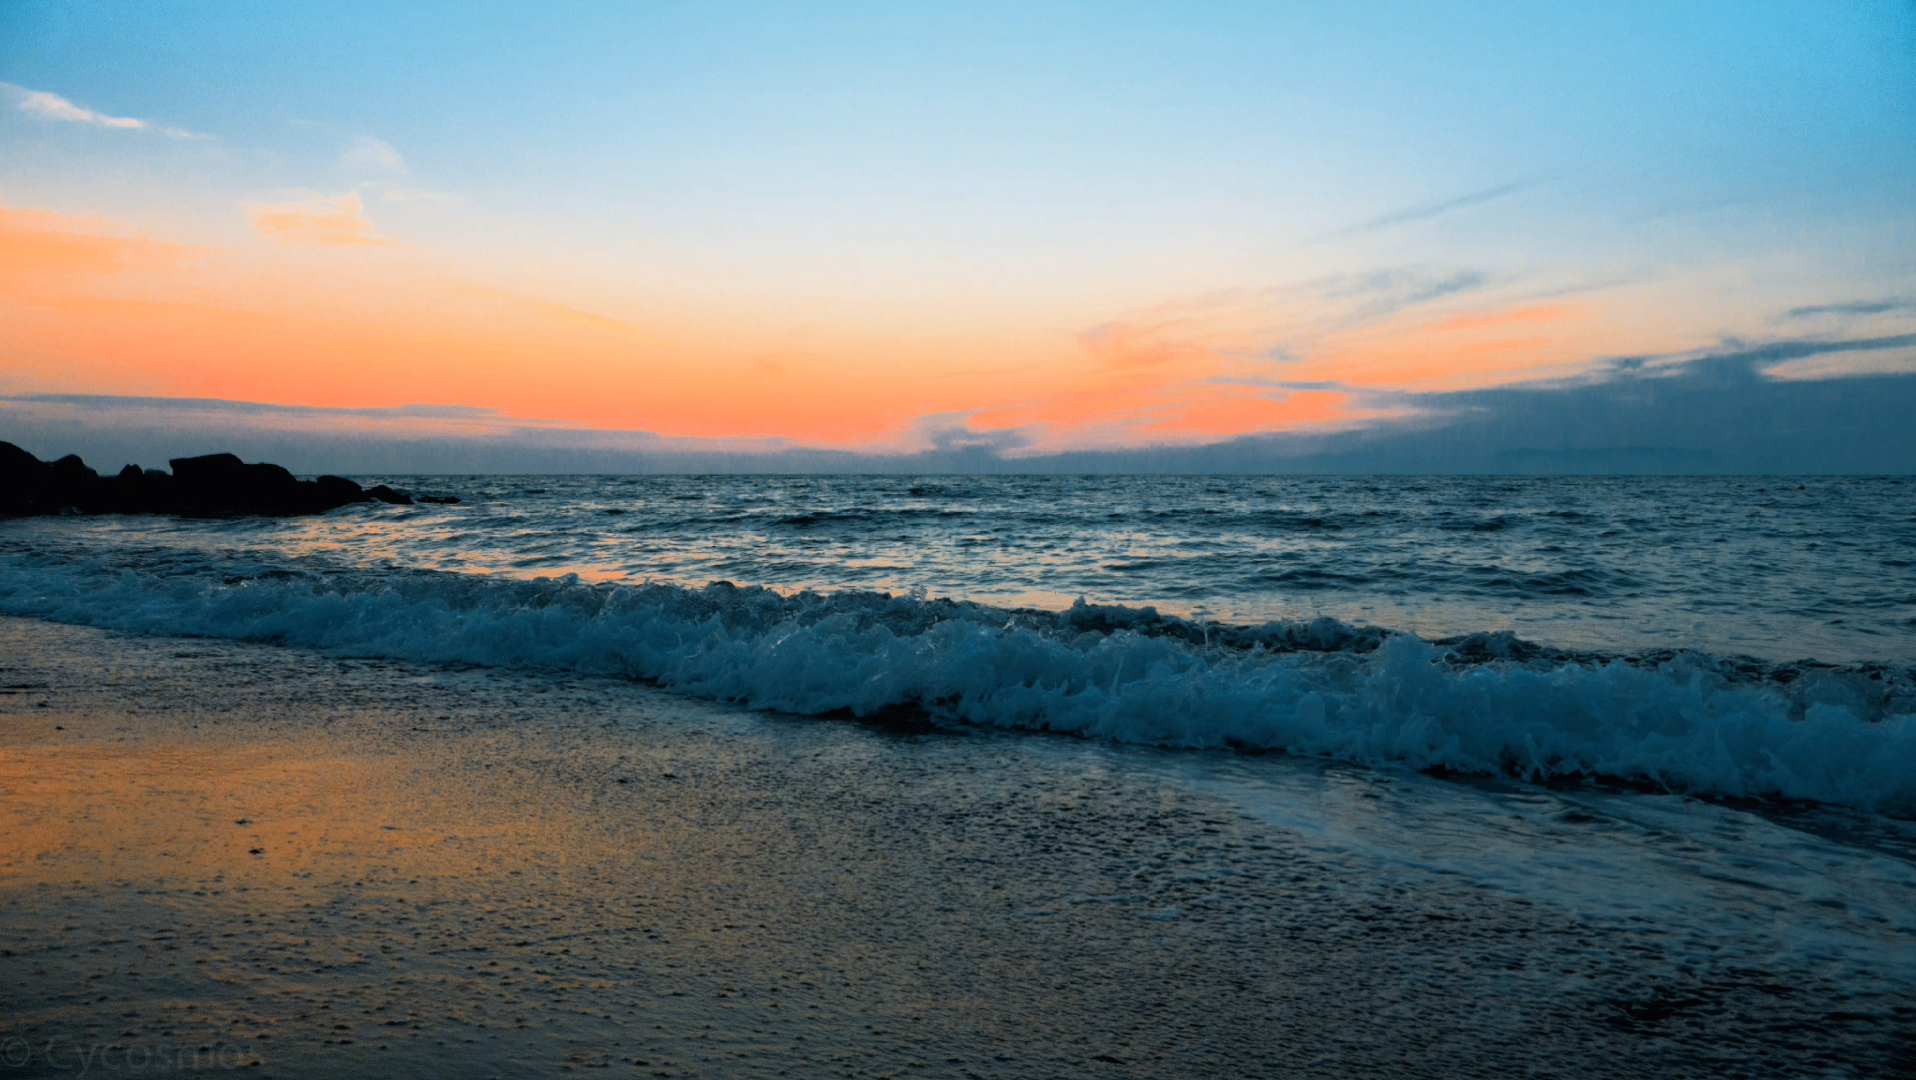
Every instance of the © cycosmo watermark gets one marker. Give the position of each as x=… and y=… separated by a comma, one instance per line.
x=78, y=1058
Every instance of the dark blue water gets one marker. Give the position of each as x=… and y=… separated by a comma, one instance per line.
x=1736, y=637
x=1822, y=569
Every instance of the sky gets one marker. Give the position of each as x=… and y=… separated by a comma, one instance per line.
x=1117, y=235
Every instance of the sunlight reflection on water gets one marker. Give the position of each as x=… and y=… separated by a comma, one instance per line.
x=1730, y=565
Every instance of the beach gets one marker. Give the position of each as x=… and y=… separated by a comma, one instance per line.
x=1039, y=542
x=303, y=865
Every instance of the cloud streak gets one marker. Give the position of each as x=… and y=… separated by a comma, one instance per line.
x=1385, y=293
x=1426, y=211
x=1860, y=307
x=1712, y=413
x=50, y=106
x=37, y=248
x=328, y=220
x=370, y=154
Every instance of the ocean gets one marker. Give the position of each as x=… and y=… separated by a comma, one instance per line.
x=962, y=777
x=1733, y=637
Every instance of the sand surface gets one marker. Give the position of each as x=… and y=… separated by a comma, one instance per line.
x=218, y=855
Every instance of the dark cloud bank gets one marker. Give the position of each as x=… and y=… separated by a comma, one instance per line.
x=1715, y=414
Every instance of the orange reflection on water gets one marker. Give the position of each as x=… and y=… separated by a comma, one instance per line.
x=201, y=812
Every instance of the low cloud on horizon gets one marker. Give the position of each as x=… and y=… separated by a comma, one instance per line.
x=1742, y=409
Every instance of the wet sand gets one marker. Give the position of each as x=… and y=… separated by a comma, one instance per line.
x=218, y=855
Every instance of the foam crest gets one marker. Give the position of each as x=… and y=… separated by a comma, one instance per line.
x=1483, y=704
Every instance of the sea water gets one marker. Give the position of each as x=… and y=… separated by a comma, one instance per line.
x=1724, y=637
x=1651, y=741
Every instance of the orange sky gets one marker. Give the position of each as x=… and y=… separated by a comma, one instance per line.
x=858, y=225
x=323, y=310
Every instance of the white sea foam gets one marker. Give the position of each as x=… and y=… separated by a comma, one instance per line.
x=1321, y=688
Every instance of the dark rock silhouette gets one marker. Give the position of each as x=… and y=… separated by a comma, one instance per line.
x=216, y=485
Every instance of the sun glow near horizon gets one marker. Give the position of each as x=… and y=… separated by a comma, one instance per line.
x=695, y=226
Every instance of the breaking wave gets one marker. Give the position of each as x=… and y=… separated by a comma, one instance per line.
x=1486, y=703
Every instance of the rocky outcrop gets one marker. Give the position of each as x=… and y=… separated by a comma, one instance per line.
x=216, y=485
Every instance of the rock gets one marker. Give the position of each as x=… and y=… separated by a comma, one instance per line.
x=213, y=485
x=25, y=482
x=223, y=484
x=13, y=460
x=136, y=491
x=443, y=500
x=71, y=485
x=71, y=470
x=208, y=467
x=388, y=495
x=340, y=490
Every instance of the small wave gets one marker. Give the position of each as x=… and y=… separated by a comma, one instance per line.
x=885, y=516
x=1487, y=525
x=1293, y=522
x=1484, y=703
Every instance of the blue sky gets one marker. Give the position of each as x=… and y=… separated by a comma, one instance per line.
x=1094, y=225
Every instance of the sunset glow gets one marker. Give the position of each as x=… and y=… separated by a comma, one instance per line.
x=571, y=247
x=1049, y=539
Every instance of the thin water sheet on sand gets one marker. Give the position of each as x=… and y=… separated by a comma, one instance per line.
x=218, y=854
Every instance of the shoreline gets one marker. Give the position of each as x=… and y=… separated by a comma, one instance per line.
x=1695, y=723
x=483, y=872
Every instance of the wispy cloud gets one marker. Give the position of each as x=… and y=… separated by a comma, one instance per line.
x=952, y=433
x=37, y=247
x=1860, y=307
x=1124, y=344
x=370, y=154
x=1722, y=410
x=1430, y=210
x=323, y=219
x=1892, y=354
x=435, y=438
x=1384, y=293
x=50, y=106
x=415, y=195
x=1503, y=317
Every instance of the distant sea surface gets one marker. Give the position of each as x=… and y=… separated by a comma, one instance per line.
x=1728, y=636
